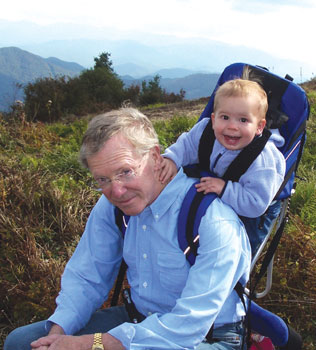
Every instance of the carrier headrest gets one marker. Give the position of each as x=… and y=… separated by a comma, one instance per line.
x=274, y=87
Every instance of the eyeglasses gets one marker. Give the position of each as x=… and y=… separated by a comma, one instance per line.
x=124, y=177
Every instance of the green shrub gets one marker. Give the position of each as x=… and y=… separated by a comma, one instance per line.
x=170, y=129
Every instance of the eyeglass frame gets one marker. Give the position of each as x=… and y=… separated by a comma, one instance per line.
x=121, y=178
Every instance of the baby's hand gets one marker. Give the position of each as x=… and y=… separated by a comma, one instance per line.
x=210, y=184
x=168, y=170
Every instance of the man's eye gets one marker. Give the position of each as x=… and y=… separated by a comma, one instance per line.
x=103, y=180
x=127, y=172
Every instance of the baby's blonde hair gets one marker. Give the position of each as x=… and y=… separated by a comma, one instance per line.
x=243, y=88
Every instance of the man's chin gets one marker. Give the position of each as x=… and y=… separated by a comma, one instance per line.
x=130, y=210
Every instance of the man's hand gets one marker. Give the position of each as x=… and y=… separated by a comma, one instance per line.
x=210, y=184
x=168, y=170
x=63, y=342
x=44, y=342
x=69, y=342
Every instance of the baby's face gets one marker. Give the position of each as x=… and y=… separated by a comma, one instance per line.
x=236, y=121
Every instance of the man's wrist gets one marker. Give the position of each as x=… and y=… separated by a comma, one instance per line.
x=97, y=342
x=56, y=329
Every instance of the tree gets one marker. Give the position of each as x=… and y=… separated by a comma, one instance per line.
x=45, y=99
x=103, y=61
x=151, y=92
x=94, y=90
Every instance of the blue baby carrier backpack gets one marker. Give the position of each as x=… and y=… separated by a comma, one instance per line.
x=288, y=111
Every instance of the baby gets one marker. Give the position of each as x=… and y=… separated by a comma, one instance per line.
x=238, y=117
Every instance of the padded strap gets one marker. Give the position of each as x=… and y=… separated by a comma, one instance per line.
x=206, y=146
x=192, y=210
x=239, y=165
x=246, y=157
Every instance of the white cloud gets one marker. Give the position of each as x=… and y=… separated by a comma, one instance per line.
x=282, y=27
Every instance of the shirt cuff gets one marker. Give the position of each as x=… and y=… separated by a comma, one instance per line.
x=223, y=190
x=124, y=333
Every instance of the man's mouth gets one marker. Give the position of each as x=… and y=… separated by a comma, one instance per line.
x=124, y=202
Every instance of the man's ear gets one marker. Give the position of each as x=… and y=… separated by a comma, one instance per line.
x=157, y=157
x=261, y=126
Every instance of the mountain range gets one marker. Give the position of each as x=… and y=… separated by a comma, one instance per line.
x=19, y=67
x=192, y=64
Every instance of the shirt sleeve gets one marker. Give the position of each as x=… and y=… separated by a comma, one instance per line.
x=90, y=273
x=185, y=150
x=223, y=259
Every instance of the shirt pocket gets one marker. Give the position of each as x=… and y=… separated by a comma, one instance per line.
x=173, y=272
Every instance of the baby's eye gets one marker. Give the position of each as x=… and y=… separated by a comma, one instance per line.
x=225, y=117
x=243, y=120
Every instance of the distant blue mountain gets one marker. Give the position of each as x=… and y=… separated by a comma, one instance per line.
x=78, y=43
x=19, y=67
x=195, y=85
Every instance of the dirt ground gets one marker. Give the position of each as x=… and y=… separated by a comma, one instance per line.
x=188, y=108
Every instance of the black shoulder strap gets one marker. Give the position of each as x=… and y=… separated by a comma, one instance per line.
x=239, y=165
x=206, y=146
x=245, y=158
x=121, y=220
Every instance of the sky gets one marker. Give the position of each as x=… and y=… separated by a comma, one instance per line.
x=284, y=28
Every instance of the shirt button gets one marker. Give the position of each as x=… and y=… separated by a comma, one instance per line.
x=157, y=216
x=145, y=284
x=149, y=313
x=145, y=256
x=144, y=227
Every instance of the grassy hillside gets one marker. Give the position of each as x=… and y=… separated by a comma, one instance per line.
x=45, y=200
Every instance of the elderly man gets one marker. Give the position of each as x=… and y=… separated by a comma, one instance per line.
x=178, y=303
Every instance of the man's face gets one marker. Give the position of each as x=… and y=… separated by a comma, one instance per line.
x=128, y=180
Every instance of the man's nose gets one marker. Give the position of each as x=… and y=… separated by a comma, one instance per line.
x=117, y=189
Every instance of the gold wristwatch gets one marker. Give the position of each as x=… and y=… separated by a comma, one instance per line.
x=97, y=342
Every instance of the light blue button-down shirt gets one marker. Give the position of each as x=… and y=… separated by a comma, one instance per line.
x=181, y=301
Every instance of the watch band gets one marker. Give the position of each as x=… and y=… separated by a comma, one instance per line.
x=97, y=342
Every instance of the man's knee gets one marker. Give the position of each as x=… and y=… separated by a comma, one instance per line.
x=21, y=338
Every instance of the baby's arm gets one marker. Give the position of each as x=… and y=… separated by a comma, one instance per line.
x=211, y=184
x=168, y=170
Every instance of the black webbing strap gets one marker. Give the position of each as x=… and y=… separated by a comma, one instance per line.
x=245, y=158
x=119, y=283
x=119, y=220
x=269, y=254
x=206, y=146
x=240, y=290
x=239, y=165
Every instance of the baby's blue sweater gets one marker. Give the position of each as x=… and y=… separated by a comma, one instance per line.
x=257, y=187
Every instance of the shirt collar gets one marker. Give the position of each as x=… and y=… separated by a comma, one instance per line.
x=168, y=195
